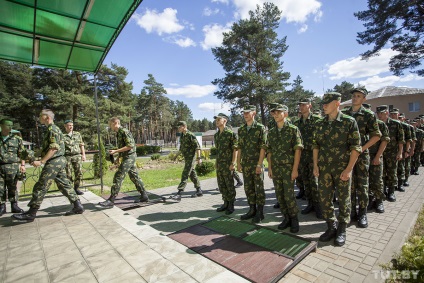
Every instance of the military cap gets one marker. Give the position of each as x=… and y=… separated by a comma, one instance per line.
x=421, y=116
x=366, y=105
x=401, y=115
x=272, y=105
x=221, y=115
x=4, y=120
x=280, y=107
x=394, y=110
x=361, y=90
x=249, y=108
x=382, y=108
x=304, y=101
x=330, y=96
x=69, y=121
x=181, y=123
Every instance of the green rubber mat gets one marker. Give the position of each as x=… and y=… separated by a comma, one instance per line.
x=229, y=226
x=275, y=241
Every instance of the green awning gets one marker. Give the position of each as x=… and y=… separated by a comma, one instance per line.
x=67, y=34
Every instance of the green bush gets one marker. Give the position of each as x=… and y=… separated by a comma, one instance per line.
x=175, y=156
x=147, y=149
x=213, y=151
x=205, y=168
x=155, y=156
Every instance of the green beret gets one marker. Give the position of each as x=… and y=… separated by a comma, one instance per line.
x=69, y=121
x=394, y=110
x=221, y=115
x=330, y=96
x=279, y=107
x=304, y=101
x=249, y=108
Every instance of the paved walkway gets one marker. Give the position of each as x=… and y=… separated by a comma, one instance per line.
x=111, y=245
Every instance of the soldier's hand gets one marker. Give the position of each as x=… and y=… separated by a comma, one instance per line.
x=411, y=152
x=199, y=161
x=36, y=163
x=294, y=175
x=112, y=151
x=345, y=176
x=231, y=167
x=316, y=171
x=22, y=169
x=406, y=155
x=399, y=156
x=270, y=173
x=258, y=170
x=239, y=168
x=376, y=161
x=83, y=158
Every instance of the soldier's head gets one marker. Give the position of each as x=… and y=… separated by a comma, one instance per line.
x=359, y=95
x=249, y=113
x=182, y=126
x=331, y=102
x=394, y=113
x=114, y=124
x=221, y=120
x=69, y=126
x=382, y=112
x=46, y=117
x=6, y=126
x=402, y=117
x=279, y=112
x=305, y=106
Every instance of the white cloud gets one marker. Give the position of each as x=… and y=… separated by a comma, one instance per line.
x=209, y=12
x=302, y=29
x=181, y=41
x=220, y=1
x=192, y=91
x=153, y=21
x=376, y=82
x=293, y=11
x=358, y=68
x=213, y=35
x=215, y=107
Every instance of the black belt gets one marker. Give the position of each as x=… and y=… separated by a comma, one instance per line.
x=2, y=163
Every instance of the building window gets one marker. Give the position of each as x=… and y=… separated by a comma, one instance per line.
x=414, y=106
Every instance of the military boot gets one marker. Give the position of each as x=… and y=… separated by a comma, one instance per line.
x=309, y=208
x=353, y=214
x=379, y=206
x=230, y=208
x=340, y=239
x=330, y=233
x=405, y=183
x=109, y=203
x=177, y=196
x=391, y=194
x=371, y=203
x=77, y=209
x=294, y=224
x=259, y=216
x=15, y=208
x=250, y=214
x=223, y=206
x=198, y=193
x=78, y=191
x=399, y=187
x=27, y=216
x=143, y=197
x=2, y=209
x=362, y=219
x=285, y=223
x=318, y=211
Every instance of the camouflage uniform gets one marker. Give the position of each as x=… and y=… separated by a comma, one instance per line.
x=73, y=143
x=335, y=140
x=251, y=141
x=188, y=147
x=125, y=138
x=53, y=170
x=376, y=186
x=282, y=144
x=226, y=143
x=408, y=159
x=401, y=163
x=415, y=162
x=12, y=152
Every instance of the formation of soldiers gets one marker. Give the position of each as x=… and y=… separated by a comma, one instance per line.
x=347, y=155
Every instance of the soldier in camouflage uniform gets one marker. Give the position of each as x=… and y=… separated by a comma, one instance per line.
x=75, y=154
x=126, y=150
x=408, y=155
x=370, y=134
x=419, y=147
x=284, y=147
x=250, y=157
x=394, y=114
x=52, y=155
x=306, y=125
x=12, y=161
x=336, y=147
x=393, y=151
x=190, y=149
x=226, y=144
x=376, y=184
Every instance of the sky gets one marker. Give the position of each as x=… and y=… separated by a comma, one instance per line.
x=172, y=40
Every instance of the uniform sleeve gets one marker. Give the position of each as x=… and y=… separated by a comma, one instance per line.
x=401, y=135
x=80, y=141
x=195, y=142
x=53, y=140
x=298, y=144
x=354, y=138
x=373, y=127
x=315, y=144
x=413, y=134
x=384, y=133
x=235, y=141
x=240, y=138
x=128, y=139
x=263, y=140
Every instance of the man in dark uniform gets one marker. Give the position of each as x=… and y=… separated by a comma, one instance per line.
x=336, y=147
x=190, y=149
x=126, y=150
x=393, y=152
x=370, y=134
x=408, y=155
x=250, y=156
x=415, y=162
x=52, y=155
x=226, y=145
x=12, y=161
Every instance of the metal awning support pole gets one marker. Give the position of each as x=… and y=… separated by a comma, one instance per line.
x=98, y=133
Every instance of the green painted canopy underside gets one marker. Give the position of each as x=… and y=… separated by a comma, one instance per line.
x=67, y=34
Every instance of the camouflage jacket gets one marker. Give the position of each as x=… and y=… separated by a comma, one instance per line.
x=420, y=138
x=188, y=144
x=367, y=123
x=307, y=128
x=12, y=149
x=73, y=143
x=384, y=137
x=53, y=139
x=125, y=138
x=282, y=144
x=225, y=142
x=396, y=134
x=251, y=142
x=406, y=131
x=336, y=139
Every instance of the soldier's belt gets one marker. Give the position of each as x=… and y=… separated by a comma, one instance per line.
x=5, y=163
x=72, y=154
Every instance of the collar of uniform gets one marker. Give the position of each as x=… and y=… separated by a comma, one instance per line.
x=307, y=118
x=360, y=111
x=253, y=124
x=338, y=117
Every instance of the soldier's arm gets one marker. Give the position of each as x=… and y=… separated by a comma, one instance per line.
x=45, y=158
x=259, y=166
x=380, y=151
x=82, y=149
x=295, y=172
x=315, y=152
x=239, y=160
x=374, y=133
x=346, y=174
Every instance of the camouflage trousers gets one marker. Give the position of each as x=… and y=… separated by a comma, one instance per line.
x=328, y=181
x=390, y=164
x=284, y=189
x=225, y=181
x=306, y=172
x=8, y=181
x=407, y=167
x=74, y=162
x=127, y=166
x=401, y=170
x=189, y=172
x=253, y=185
x=415, y=160
x=376, y=185
x=360, y=179
x=53, y=170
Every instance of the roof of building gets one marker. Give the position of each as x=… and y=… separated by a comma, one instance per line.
x=390, y=91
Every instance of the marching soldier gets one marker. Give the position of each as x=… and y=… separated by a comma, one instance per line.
x=336, y=147
x=411, y=152
x=250, y=156
x=419, y=148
